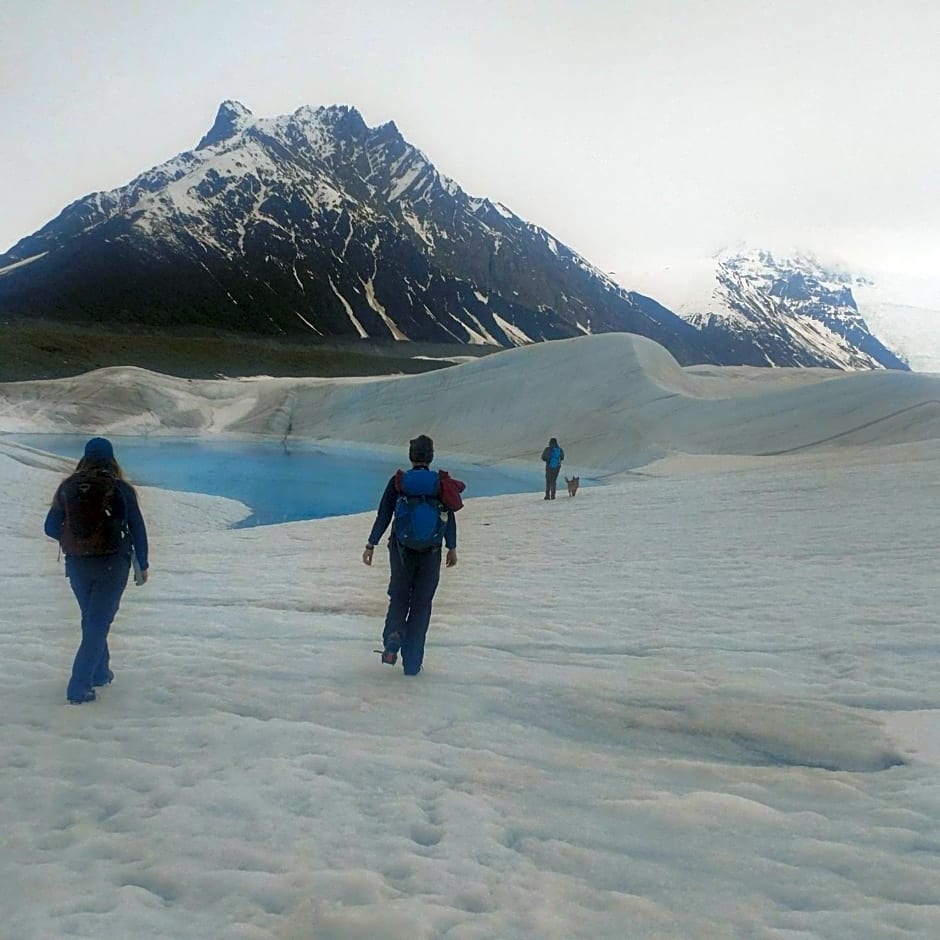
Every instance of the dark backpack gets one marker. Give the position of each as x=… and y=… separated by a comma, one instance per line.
x=420, y=516
x=91, y=525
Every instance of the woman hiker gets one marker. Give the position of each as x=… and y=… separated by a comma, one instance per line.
x=96, y=519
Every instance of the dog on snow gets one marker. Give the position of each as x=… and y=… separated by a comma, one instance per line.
x=573, y=484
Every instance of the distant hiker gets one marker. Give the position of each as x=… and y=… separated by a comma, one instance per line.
x=420, y=504
x=552, y=457
x=96, y=519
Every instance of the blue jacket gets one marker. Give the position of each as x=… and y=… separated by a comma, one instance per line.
x=387, y=512
x=128, y=511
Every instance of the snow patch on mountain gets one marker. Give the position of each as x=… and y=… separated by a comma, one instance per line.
x=21, y=264
x=517, y=336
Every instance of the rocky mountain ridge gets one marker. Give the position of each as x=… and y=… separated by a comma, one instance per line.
x=314, y=222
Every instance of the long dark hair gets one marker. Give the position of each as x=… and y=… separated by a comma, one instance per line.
x=107, y=464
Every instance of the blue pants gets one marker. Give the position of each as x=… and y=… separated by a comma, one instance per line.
x=415, y=576
x=98, y=583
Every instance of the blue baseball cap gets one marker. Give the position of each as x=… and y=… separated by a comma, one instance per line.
x=99, y=448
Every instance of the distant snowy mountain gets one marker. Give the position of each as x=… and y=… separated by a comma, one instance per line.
x=755, y=308
x=314, y=222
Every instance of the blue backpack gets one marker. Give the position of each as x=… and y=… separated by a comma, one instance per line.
x=420, y=517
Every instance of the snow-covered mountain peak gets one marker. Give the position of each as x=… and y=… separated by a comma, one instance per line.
x=789, y=278
x=771, y=307
x=230, y=120
x=791, y=308
x=902, y=311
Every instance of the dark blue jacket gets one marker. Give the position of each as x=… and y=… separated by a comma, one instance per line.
x=387, y=512
x=128, y=511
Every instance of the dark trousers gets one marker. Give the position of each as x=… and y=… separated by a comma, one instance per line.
x=551, y=479
x=414, y=579
x=98, y=583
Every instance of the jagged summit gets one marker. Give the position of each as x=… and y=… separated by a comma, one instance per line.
x=390, y=130
x=345, y=119
x=232, y=118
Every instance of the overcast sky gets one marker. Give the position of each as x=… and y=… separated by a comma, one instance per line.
x=634, y=130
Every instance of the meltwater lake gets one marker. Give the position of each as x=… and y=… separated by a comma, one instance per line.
x=303, y=480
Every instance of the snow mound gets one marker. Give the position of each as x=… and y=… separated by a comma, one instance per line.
x=615, y=400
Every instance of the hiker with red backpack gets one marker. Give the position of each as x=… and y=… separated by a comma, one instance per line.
x=420, y=504
x=96, y=519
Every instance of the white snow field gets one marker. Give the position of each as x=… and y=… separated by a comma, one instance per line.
x=700, y=701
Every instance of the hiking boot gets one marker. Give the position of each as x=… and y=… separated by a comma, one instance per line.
x=412, y=672
x=89, y=696
x=392, y=644
x=107, y=680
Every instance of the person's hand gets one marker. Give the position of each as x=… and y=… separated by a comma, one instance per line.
x=144, y=577
x=367, y=555
x=451, y=559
